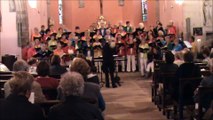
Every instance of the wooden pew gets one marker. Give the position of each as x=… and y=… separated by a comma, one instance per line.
x=2, y=82
x=205, y=97
x=186, y=85
x=46, y=105
x=155, y=79
x=167, y=79
x=50, y=94
x=5, y=75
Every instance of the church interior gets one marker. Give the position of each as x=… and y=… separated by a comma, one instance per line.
x=106, y=60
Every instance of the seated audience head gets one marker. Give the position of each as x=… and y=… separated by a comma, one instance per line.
x=169, y=56
x=43, y=69
x=81, y=66
x=188, y=57
x=20, y=65
x=21, y=83
x=55, y=60
x=72, y=84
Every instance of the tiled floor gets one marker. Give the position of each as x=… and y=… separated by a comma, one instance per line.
x=131, y=101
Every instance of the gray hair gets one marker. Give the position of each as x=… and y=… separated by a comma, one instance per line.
x=72, y=83
x=21, y=82
x=20, y=65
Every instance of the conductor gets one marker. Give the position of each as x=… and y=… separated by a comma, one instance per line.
x=108, y=64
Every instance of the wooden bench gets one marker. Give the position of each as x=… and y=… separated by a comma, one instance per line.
x=166, y=100
x=205, y=97
x=186, y=85
x=155, y=79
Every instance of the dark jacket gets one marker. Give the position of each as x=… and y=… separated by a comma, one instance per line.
x=108, y=59
x=186, y=70
x=166, y=67
x=16, y=107
x=74, y=108
x=57, y=70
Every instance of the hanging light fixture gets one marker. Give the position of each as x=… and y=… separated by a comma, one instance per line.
x=180, y=2
x=32, y=3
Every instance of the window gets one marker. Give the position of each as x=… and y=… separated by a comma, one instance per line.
x=144, y=10
x=60, y=11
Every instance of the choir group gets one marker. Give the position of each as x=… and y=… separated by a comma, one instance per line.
x=138, y=47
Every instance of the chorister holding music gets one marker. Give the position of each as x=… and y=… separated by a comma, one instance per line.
x=131, y=53
x=97, y=47
x=137, y=48
x=121, y=49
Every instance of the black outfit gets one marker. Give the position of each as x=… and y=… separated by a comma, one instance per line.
x=108, y=64
x=102, y=31
x=57, y=70
x=17, y=107
x=207, y=98
x=93, y=78
x=166, y=67
x=74, y=108
x=186, y=70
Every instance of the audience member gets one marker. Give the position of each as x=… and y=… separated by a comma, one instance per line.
x=72, y=86
x=208, y=81
x=186, y=70
x=92, y=76
x=21, y=65
x=91, y=90
x=43, y=76
x=56, y=68
x=169, y=66
x=16, y=106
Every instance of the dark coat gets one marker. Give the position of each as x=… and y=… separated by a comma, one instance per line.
x=74, y=108
x=16, y=107
x=108, y=59
x=57, y=70
x=186, y=70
